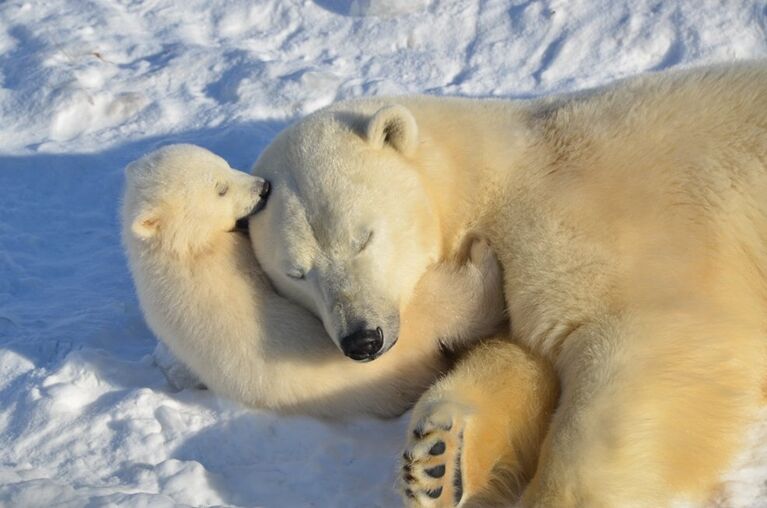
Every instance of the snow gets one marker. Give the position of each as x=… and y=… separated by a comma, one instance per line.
x=87, y=418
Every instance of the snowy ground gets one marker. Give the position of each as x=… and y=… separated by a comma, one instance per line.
x=85, y=417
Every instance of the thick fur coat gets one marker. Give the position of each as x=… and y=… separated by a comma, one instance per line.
x=631, y=225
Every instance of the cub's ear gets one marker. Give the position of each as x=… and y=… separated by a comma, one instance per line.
x=394, y=126
x=146, y=224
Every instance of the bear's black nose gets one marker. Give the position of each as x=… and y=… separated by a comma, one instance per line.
x=363, y=345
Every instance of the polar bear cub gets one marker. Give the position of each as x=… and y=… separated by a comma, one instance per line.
x=205, y=297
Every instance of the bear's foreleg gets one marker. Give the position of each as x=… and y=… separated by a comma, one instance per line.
x=474, y=436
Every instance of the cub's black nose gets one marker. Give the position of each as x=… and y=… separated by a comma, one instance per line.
x=363, y=345
x=265, y=189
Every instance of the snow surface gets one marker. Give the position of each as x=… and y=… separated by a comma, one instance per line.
x=86, y=418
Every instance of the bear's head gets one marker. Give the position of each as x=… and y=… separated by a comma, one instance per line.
x=349, y=229
x=180, y=197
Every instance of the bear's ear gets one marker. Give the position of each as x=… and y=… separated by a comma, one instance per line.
x=146, y=224
x=393, y=126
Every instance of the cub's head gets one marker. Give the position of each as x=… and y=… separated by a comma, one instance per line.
x=349, y=228
x=179, y=197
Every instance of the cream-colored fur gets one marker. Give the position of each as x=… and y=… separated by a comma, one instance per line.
x=205, y=297
x=631, y=224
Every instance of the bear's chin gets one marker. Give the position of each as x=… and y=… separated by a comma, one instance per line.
x=241, y=226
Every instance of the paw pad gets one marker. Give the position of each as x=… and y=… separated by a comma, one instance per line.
x=431, y=467
x=438, y=448
x=434, y=494
x=436, y=471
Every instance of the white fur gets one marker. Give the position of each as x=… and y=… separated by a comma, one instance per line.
x=631, y=223
x=205, y=297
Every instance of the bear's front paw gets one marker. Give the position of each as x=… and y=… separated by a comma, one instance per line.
x=431, y=470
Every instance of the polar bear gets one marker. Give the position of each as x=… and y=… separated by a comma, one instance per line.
x=204, y=296
x=631, y=225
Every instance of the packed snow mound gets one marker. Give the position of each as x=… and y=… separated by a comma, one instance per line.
x=88, y=416
x=374, y=7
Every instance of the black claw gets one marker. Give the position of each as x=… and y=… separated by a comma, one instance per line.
x=409, y=477
x=419, y=433
x=434, y=494
x=438, y=448
x=406, y=468
x=407, y=457
x=409, y=493
x=436, y=471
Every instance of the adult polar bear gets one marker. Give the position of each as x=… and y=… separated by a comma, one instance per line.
x=631, y=223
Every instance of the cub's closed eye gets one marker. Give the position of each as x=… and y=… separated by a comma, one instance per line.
x=222, y=189
x=296, y=274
